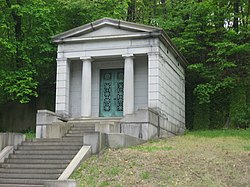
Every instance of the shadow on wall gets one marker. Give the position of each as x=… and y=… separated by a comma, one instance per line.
x=16, y=117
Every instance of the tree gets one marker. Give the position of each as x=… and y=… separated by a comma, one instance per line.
x=25, y=65
x=212, y=35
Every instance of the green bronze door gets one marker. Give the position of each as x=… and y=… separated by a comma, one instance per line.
x=111, y=92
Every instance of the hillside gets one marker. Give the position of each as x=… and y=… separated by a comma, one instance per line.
x=204, y=158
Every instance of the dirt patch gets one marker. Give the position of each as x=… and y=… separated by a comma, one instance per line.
x=179, y=161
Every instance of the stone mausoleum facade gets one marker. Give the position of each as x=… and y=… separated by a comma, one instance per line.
x=115, y=69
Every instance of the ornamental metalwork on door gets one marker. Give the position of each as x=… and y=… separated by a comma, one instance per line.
x=111, y=92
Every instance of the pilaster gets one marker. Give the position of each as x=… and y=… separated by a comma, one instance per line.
x=153, y=79
x=62, y=86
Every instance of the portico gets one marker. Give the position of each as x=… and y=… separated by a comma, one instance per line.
x=91, y=66
x=126, y=84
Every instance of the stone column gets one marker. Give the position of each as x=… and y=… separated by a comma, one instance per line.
x=86, y=87
x=62, y=86
x=128, y=101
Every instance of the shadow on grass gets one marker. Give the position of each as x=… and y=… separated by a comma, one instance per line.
x=241, y=133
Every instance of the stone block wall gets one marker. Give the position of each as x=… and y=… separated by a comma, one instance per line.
x=148, y=124
x=171, y=87
x=10, y=139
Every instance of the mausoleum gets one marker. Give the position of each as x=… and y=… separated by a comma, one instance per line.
x=116, y=70
x=118, y=84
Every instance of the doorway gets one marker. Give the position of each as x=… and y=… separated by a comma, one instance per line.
x=111, y=92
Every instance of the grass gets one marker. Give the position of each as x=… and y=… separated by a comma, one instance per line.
x=247, y=148
x=199, y=158
x=30, y=135
x=145, y=175
x=241, y=133
x=151, y=148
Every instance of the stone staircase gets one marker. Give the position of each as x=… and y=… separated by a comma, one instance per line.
x=36, y=161
x=77, y=129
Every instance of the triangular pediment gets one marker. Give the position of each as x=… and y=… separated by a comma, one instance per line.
x=108, y=30
x=105, y=27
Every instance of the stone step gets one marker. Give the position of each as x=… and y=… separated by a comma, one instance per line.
x=34, y=166
x=94, y=120
x=79, y=131
x=74, y=135
x=36, y=161
x=46, y=152
x=48, y=147
x=52, y=143
x=83, y=128
x=37, y=171
x=29, y=176
x=72, y=138
x=83, y=125
x=21, y=185
x=42, y=156
x=22, y=181
x=53, y=140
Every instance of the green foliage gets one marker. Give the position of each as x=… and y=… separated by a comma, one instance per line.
x=203, y=92
x=239, y=111
x=19, y=85
x=30, y=135
x=27, y=55
x=201, y=116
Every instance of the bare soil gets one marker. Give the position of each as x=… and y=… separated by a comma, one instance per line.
x=180, y=161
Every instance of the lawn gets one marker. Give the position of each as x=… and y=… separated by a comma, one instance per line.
x=200, y=158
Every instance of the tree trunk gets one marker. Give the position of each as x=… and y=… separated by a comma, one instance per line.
x=18, y=31
x=131, y=11
x=248, y=12
x=236, y=16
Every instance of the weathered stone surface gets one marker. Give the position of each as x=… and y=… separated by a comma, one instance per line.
x=118, y=140
x=63, y=183
x=96, y=140
x=10, y=139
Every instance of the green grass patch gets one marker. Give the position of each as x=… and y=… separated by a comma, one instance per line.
x=241, y=133
x=145, y=175
x=246, y=148
x=105, y=183
x=112, y=171
x=118, y=185
x=30, y=135
x=152, y=148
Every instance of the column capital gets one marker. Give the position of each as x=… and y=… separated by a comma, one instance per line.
x=128, y=55
x=86, y=58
